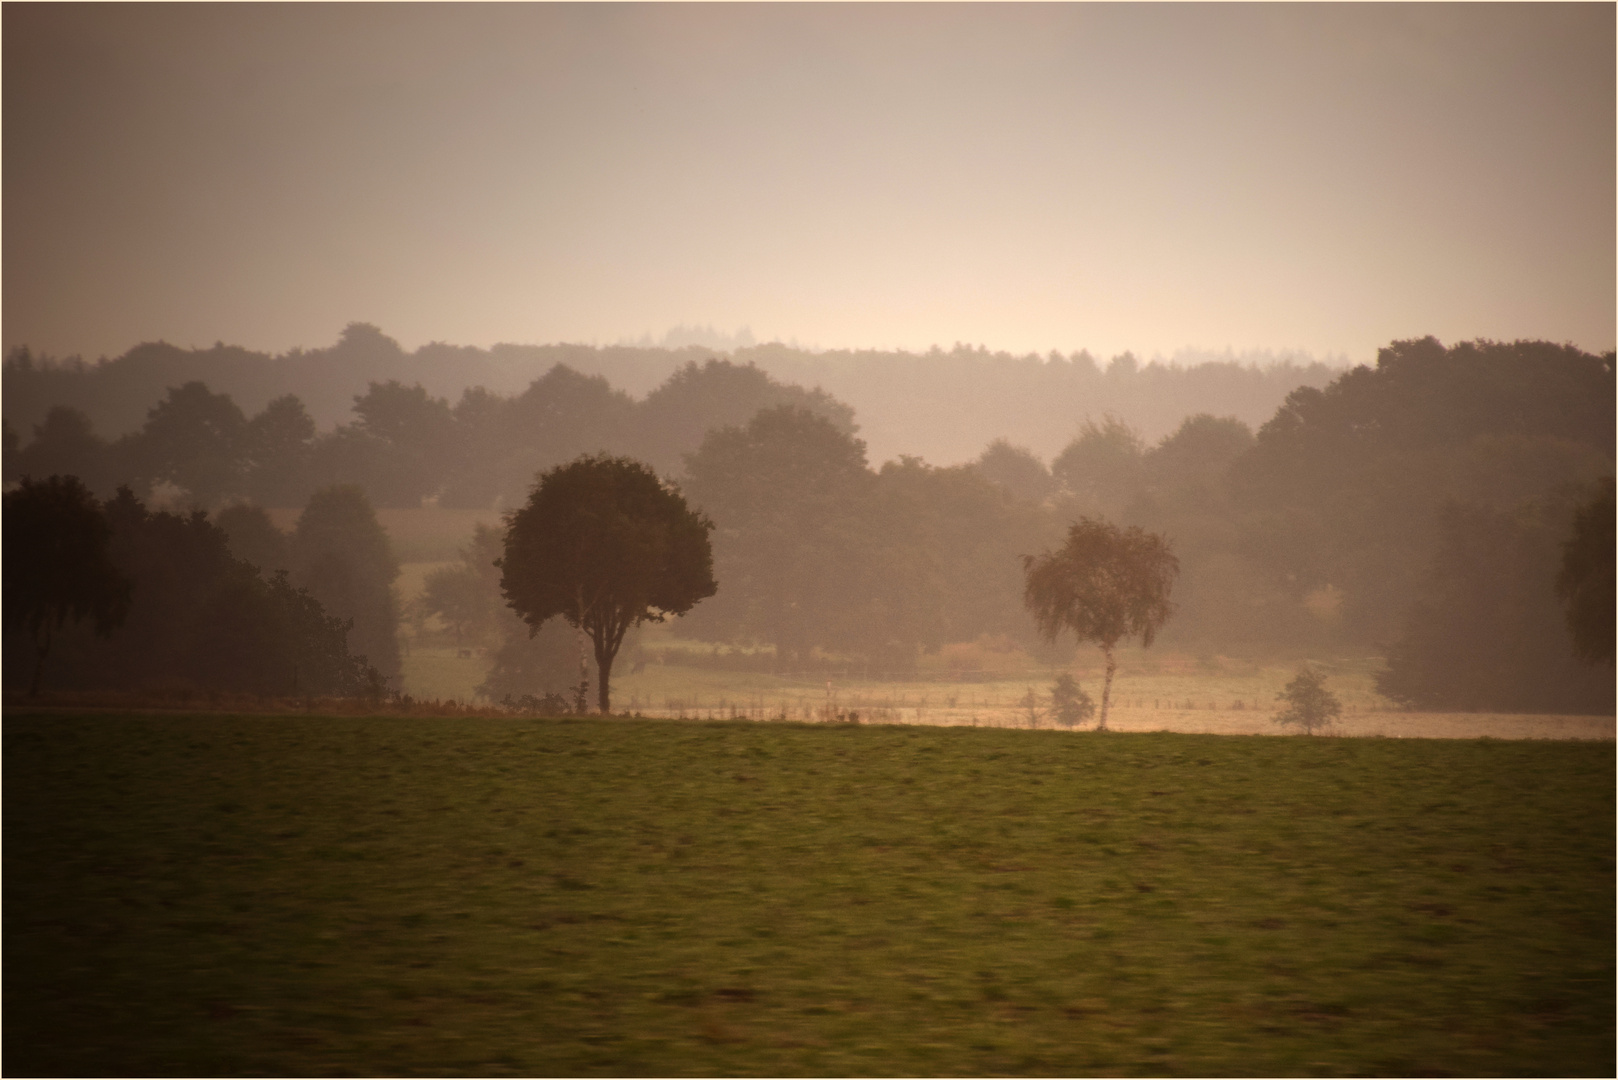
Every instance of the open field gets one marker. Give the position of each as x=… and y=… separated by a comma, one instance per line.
x=222, y=895
x=1153, y=692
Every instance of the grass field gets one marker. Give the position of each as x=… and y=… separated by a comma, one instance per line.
x=1154, y=691
x=237, y=895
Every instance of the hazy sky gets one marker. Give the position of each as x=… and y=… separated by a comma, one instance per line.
x=1028, y=177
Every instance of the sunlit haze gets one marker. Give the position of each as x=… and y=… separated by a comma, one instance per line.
x=1151, y=178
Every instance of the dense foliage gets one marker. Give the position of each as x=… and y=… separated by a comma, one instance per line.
x=58, y=567
x=197, y=617
x=1484, y=630
x=815, y=551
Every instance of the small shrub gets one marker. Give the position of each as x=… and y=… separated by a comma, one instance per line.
x=1070, y=705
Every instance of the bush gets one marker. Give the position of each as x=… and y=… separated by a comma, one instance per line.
x=1070, y=705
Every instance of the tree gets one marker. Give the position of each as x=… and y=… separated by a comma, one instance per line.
x=66, y=445
x=1309, y=704
x=1106, y=584
x=545, y=664
x=791, y=498
x=1017, y=469
x=1103, y=466
x=466, y=597
x=341, y=554
x=1585, y=581
x=195, y=439
x=278, y=443
x=199, y=618
x=417, y=441
x=57, y=565
x=695, y=400
x=606, y=545
x=253, y=538
x=1345, y=485
x=1484, y=631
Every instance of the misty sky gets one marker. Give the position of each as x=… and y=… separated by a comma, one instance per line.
x=1033, y=177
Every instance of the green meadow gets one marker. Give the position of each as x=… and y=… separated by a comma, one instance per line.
x=230, y=895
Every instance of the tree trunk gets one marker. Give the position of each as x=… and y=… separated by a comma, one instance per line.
x=604, y=659
x=1106, y=689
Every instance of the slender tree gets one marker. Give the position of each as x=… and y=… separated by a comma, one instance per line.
x=1106, y=584
x=603, y=543
x=58, y=566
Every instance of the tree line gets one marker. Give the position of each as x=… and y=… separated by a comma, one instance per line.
x=112, y=595
x=1421, y=510
x=942, y=405
x=402, y=445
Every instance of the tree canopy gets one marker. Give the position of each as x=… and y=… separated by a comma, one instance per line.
x=606, y=545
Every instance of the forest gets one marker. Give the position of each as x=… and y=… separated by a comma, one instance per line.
x=1419, y=510
x=940, y=405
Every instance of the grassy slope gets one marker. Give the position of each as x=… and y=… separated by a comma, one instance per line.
x=217, y=895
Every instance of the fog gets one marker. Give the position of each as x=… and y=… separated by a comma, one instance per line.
x=1323, y=295
x=1029, y=177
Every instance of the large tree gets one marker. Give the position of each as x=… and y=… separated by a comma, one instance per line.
x=791, y=498
x=57, y=565
x=606, y=545
x=1106, y=584
x=195, y=439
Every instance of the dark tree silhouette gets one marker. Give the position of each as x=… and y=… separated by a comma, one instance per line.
x=603, y=543
x=57, y=565
x=1585, y=582
x=1106, y=584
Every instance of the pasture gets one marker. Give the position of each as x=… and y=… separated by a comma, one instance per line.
x=229, y=895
